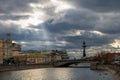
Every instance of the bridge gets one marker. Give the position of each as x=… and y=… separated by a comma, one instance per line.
x=53, y=63
x=67, y=63
x=60, y=63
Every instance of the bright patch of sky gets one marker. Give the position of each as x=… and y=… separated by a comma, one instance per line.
x=63, y=23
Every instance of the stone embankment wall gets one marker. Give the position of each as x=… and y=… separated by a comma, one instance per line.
x=114, y=69
x=22, y=67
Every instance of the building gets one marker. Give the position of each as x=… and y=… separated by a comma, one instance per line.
x=111, y=57
x=10, y=48
x=1, y=50
x=108, y=57
x=62, y=54
x=117, y=57
x=16, y=49
x=21, y=58
x=36, y=56
x=56, y=55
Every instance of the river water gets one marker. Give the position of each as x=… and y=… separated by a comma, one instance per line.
x=57, y=74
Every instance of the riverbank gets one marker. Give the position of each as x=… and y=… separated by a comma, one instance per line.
x=23, y=67
x=5, y=68
x=114, y=69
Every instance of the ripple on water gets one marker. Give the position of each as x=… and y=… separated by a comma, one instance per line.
x=57, y=74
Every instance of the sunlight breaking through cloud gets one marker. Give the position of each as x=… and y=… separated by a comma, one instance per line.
x=61, y=24
x=61, y=6
x=116, y=43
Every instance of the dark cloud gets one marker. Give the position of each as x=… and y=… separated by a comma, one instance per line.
x=91, y=39
x=109, y=25
x=9, y=29
x=111, y=29
x=15, y=6
x=12, y=17
x=72, y=20
x=83, y=20
x=98, y=5
x=62, y=26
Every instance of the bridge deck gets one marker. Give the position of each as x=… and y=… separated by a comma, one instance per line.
x=66, y=63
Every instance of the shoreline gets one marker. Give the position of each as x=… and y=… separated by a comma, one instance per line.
x=5, y=68
x=111, y=68
x=115, y=70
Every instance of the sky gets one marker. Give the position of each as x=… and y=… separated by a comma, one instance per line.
x=61, y=24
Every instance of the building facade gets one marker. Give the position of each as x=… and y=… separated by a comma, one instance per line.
x=16, y=49
x=36, y=57
x=8, y=49
x=1, y=50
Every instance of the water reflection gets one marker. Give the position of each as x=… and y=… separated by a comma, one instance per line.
x=57, y=74
x=1, y=76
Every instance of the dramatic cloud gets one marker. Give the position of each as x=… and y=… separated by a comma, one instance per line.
x=61, y=24
x=98, y=5
x=15, y=6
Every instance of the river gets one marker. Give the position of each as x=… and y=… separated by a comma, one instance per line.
x=57, y=74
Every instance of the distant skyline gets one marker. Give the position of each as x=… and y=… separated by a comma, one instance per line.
x=61, y=24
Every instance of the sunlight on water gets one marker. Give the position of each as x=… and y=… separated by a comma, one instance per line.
x=57, y=74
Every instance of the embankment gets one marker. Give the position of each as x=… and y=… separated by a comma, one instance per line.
x=22, y=67
x=114, y=69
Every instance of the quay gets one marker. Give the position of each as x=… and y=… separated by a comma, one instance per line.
x=61, y=63
x=4, y=68
x=114, y=69
x=23, y=67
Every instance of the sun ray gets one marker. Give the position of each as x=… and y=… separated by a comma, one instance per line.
x=61, y=6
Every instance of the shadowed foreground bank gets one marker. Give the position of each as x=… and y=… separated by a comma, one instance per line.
x=114, y=69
